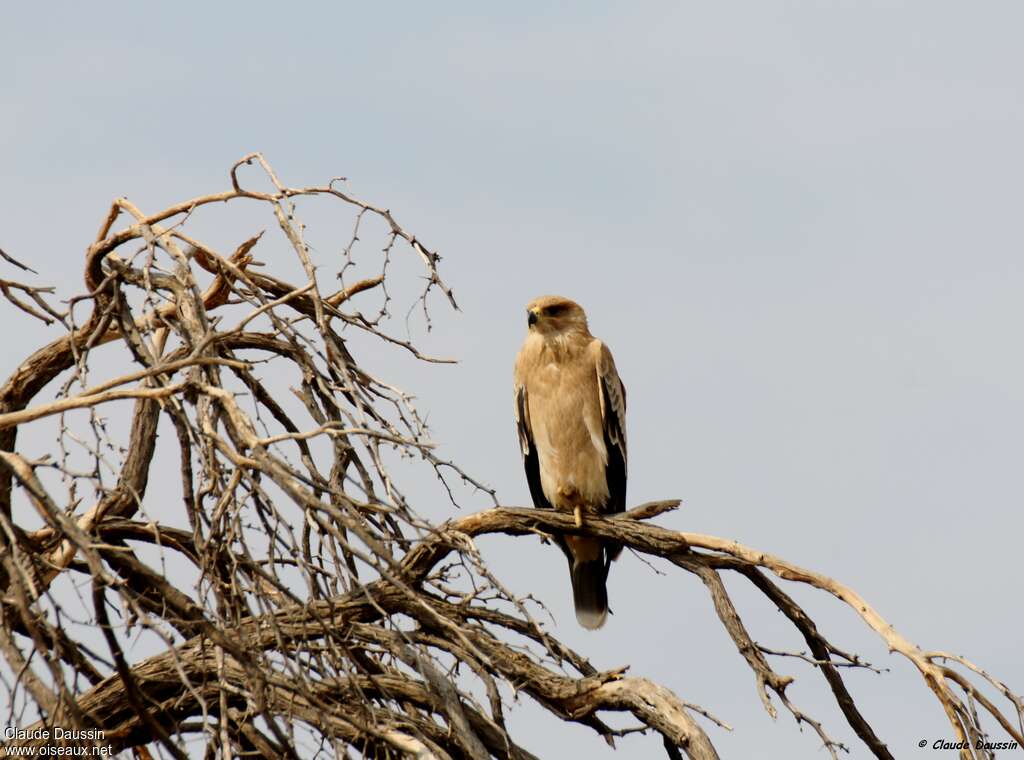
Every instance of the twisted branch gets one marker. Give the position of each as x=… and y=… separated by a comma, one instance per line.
x=293, y=601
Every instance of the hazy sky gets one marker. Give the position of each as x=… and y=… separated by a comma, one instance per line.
x=797, y=225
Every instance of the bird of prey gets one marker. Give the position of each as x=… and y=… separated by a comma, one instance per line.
x=570, y=408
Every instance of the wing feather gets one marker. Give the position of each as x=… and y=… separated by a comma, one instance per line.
x=529, y=449
x=613, y=414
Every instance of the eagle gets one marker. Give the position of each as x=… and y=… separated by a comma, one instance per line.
x=570, y=410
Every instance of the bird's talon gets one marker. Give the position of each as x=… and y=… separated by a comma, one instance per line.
x=578, y=512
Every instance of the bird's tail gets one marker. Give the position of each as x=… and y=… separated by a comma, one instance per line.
x=589, y=593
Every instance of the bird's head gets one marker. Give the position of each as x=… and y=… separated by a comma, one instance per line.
x=555, y=315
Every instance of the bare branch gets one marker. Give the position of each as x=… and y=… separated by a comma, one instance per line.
x=292, y=599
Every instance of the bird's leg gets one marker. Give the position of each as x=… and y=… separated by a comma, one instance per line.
x=569, y=496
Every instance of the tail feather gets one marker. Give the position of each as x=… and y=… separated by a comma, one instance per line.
x=589, y=593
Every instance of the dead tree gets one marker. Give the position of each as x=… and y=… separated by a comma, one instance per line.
x=289, y=600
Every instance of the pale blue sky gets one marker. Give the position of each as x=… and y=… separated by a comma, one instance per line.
x=797, y=225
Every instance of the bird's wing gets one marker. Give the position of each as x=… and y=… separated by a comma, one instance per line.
x=528, y=448
x=612, y=397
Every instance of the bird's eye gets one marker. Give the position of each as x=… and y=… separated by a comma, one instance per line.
x=554, y=311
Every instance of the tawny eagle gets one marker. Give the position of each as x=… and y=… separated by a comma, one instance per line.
x=570, y=408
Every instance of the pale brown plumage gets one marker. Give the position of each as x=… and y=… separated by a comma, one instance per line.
x=571, y=417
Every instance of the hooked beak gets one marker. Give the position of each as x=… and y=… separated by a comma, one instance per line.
x=531, y=318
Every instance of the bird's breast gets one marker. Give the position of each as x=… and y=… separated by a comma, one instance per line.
x=566, y=420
